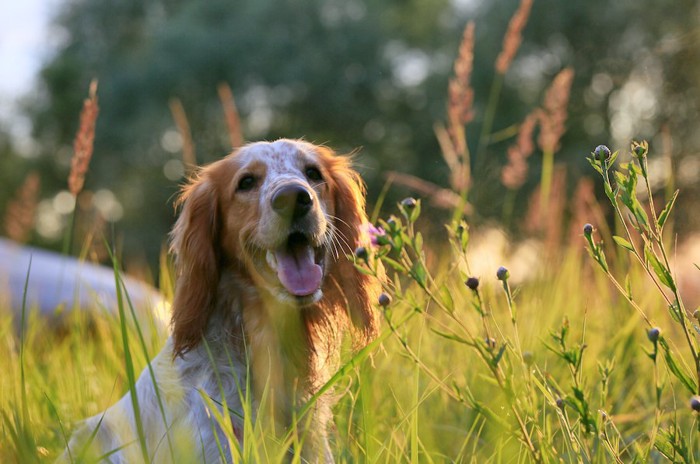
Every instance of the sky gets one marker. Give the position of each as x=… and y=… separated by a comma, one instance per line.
x=24, y=35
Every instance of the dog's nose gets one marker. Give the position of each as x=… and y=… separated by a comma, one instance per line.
x=292, y=201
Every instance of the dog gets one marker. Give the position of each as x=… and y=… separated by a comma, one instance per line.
x=264, y=294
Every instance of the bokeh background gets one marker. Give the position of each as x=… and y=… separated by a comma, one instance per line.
x=356, y=74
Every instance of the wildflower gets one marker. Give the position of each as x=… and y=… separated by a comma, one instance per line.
x=384, y=300
x=374, y=233
x=653, y=334
x=490, y=343
x=587, y=229
x=601, y=153
x=695, y=403
x=560, y=403
x=472, y=283
x=361, y=253
x=502, y=273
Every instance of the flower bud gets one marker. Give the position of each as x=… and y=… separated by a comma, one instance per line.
x=601, y=153
x=653, y=334
x=587, y=229
x=361, y=253
x=408, y=203
x=502, y=273
x=560, y=403
x=695, y=403
x=528, y=357
x=472, y=283
x=384, y=300
x=640, y=149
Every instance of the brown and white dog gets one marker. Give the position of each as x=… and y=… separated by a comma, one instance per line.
x=264, y=293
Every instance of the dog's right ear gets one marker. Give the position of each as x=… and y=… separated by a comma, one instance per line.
x=194, y=242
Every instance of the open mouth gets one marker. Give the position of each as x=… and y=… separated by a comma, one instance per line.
x=298, y=265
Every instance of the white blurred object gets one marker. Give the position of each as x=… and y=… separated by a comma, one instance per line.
x=60, y=283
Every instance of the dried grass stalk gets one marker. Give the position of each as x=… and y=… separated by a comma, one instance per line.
x=460, y=93
x=513, y=37
x=439, y=197
x=233, y=120
x=514, y=173
x=554, y=112
x=189, y=156
x=21, y=210
x=84, y=141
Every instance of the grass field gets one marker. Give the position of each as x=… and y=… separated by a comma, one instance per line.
x=563, y=367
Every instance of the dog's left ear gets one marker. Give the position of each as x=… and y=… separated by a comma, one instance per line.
x=357, y=291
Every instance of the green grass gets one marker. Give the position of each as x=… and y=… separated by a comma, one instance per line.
x=558, y=369
x=438, y=403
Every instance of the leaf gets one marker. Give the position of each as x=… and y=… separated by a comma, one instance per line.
x=395, y=265
x=685, y=378
x=623, y=243
x=446, y=298
x=418, y=242
x=663, y=216
x=659, y=269
x=613, y=157
x=452, y=337
x=419, y=274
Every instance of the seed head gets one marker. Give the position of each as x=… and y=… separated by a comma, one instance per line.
x=653, y=334
x=502, y=273
x=601, y=152
x=408, y=203
x=695, y=403
x=472, y=283
x=587, y=229
x=361, y=253
x=384, y=300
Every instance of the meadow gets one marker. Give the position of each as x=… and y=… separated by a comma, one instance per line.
x=563, y=367
x=588, y=354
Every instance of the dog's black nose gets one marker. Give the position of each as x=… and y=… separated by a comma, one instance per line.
x=292, y=201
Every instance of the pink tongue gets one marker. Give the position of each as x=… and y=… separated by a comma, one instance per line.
x=297, y=270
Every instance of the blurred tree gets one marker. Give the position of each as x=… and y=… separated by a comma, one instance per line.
x=353, y=73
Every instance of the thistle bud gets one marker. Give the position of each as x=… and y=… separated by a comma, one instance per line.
x=408, y=203
x=640, y=149
x=361, y=253
x=560, y=403
x=472, y=283
x=587, y=229
x=502, y=273
x=601, y=153
x=653, y=334
x=695, y=403
x=384, y=300
x=528, y=357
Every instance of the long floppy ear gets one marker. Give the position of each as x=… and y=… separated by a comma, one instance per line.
x=358, y=291
x=194, y=241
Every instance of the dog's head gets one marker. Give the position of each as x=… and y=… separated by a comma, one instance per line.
x=282, y=214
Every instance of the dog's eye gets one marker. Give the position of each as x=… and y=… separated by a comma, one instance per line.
x=246, y=183
x=314, y=174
